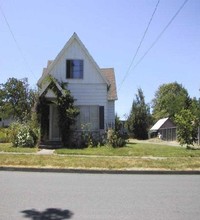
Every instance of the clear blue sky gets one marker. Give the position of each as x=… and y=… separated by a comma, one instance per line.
x=111, y=30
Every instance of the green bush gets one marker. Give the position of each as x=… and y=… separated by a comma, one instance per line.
x=4, y=137
x=23, y=134
x=114, y=139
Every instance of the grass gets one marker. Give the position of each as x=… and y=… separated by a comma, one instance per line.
x=133, y=156
x=110, y=163
x=7, y=147
x=136, y=150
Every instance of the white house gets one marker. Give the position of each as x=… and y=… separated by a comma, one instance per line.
x=93, y=88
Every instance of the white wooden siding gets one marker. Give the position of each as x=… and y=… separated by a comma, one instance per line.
x=89, y=94
x=90, y=72
x=89, y=91
x=111, y=112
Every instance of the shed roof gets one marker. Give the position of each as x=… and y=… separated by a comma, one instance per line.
x=158, y=124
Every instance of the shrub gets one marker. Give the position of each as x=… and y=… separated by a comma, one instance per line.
x=114, y=139
x=23, y=134
x=4, y=137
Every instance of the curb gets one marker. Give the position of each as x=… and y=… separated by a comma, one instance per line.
x=96, y=171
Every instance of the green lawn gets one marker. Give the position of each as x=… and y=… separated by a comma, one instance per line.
x=133, y=156
x=7, y=147
x=136, y=150
x=110, y=163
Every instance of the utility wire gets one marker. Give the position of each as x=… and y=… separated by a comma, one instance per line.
x=160, y=35
x=18, y=47
x=141, y=41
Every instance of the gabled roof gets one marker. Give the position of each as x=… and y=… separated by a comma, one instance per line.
x=159, y=124
x=51, y=64
x=110, y=76
x=48, y=86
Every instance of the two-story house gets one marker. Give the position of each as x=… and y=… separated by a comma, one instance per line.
x=93, y=88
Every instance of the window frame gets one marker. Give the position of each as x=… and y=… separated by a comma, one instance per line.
x=74, y=68
x=91, y=116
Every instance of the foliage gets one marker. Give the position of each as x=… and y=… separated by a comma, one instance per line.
x=21, y=135
x=24, y=134
x=114, y=139
x=195, y=107
x=42, y=110
x=117, y=123
x=169, y=100
x=16, y=100
x=139, y=118
x=86, y=136
x=187, y=127
x=67, y=112
x=4, y=137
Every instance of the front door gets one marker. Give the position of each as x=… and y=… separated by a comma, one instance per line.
x=54, y=128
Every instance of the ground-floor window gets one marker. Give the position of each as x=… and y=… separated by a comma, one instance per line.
x=91, y=117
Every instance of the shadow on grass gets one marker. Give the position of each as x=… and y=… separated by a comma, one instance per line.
x=48, y=214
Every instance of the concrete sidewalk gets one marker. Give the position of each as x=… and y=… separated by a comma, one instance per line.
x=45, y=152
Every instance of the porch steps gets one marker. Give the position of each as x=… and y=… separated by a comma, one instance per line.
x=50, y=145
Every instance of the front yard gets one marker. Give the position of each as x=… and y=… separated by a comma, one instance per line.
x=132, y=157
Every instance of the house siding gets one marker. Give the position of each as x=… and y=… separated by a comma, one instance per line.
x=91, y=89
x=111, y=112
x=90, y=72
x=94, y=94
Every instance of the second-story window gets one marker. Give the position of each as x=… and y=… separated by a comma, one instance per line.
x=74, y=69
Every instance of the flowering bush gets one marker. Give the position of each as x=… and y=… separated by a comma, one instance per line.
x=22, y=135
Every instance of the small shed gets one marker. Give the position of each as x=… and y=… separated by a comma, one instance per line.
x=164, y=129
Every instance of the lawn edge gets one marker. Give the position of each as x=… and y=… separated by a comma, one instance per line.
x=101, y=171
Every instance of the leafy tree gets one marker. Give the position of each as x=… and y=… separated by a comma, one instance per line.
x=16, y=100
x=139, y=118
x=187, y=127
x=169, y=100
x=195, y=107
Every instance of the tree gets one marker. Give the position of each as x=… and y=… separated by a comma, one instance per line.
x=187, y=127
x=195, y=107
x=16, y=100
x=139, y=118
x=169, y=100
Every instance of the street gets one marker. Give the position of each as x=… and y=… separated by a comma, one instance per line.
x=34, y=195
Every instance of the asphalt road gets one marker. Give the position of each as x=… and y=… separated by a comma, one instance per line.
x=27, y=195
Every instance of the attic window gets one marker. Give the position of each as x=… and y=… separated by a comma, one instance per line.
x=74, y=69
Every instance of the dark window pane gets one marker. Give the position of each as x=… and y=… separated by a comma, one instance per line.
x=101, y=117
x=74, y=69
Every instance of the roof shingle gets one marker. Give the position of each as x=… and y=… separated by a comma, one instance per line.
x=110, y=76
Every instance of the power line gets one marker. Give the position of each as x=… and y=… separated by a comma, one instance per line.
x=141, y=41
x=18, y=47
x=160, y=35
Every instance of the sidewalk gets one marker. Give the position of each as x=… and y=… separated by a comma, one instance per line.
x=45, y=152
